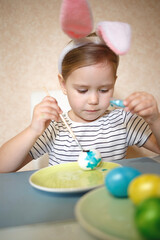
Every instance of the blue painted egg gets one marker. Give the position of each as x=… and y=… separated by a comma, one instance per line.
x=89, y=160
x=118, y=179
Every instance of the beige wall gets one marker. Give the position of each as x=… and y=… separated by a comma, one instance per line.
x=31, y=40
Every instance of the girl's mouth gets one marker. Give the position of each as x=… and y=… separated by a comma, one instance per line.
x=92, y=111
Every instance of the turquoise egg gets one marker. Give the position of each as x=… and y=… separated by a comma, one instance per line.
x=118, y=179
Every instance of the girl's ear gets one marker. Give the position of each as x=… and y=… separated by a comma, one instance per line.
x=62, y=83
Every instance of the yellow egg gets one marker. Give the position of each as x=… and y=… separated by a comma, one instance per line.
x=143, y=187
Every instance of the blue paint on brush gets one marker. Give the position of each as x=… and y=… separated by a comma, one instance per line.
x=92, y=160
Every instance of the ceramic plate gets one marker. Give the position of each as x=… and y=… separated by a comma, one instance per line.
x=107, y=217
x=69, y=177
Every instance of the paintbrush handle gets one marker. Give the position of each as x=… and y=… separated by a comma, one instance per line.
x=71, y=132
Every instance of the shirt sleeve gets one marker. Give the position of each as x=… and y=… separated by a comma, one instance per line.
x=137, y=130
x=44, y=143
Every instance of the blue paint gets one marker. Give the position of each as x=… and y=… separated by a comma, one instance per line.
x=117, y=103
x=104, y=169
x=92, y=160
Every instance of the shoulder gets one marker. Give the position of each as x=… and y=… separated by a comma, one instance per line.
x=115, y=115
x=125, y=116
x=122, y=117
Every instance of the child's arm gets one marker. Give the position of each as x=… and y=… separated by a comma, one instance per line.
x=145, y=105
x=15, y=153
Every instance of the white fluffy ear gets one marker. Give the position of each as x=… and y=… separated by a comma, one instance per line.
x=116, y=35
x=76, y=18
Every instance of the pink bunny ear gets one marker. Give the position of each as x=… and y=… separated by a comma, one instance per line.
x=76, y=18
x=116, y=35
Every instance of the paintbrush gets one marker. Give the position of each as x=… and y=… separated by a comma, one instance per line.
x=66, y=124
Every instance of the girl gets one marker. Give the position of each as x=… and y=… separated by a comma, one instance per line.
x=87, y=75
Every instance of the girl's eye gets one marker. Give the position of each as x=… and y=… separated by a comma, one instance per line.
x=82, y=90
x=103, y=90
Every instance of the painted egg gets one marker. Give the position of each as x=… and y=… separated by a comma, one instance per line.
x=143, y=187
x=89, y=159
x=147, y=218
x=118, y=179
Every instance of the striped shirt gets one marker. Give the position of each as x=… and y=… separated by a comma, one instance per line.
x=111, y=135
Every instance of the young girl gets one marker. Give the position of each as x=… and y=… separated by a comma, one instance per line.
x=87, y=75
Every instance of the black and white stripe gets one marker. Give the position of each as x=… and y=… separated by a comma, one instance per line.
x=111, y=135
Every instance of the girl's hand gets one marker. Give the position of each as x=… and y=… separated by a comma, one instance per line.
x=43, y=113
x=143, y=104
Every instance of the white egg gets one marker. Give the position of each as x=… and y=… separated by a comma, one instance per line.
x=89, y=159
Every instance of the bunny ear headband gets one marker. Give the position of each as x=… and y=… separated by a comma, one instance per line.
x=77, y=22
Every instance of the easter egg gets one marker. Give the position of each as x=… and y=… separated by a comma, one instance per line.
x=147, y=218
x=144, y=186
x=88, y=160
x=118, y=179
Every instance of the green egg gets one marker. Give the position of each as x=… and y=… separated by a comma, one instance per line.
x=147, y=218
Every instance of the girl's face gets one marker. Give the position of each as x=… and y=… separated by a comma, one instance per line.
x=89, y=90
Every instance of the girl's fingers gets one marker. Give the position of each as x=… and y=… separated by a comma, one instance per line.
x=50, y=102
x=129, y=98
x=44, y=113
x=142, y=104
x=138, y=106
x=138, y=101
x=45, y=116
x=47, y=113
x=48, y=109
x=50, y=99
x=135, y=95
x=145, y=112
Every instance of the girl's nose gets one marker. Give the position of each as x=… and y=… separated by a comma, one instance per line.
x=93, y=98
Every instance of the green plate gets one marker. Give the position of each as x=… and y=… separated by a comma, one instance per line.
x=107, y=217
x=69, y=177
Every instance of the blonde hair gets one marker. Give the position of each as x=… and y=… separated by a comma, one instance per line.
x=87, y=55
